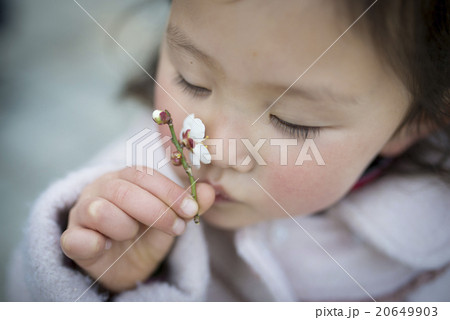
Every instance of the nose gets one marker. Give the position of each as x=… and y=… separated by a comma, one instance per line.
x=225, y=143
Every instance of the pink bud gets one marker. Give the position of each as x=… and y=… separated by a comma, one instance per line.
x=161, y=117
x=176, y=158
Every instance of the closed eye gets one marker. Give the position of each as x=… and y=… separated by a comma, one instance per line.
x=190, y=88
x=295, y=130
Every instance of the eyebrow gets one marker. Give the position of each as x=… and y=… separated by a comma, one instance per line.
x=176, y=38
x=320, y=94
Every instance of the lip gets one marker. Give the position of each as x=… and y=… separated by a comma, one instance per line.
x=221, y=194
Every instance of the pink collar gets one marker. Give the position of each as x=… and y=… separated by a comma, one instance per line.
x=375, y=170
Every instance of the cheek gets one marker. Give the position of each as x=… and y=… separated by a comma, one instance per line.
x=309, y=188
x=302, y=190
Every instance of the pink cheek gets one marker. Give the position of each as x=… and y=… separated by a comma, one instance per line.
x=301, y=189
x=285, y=183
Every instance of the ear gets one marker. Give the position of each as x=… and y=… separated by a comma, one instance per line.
x=404, y=139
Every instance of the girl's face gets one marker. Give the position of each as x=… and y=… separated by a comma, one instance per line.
x=228, y=61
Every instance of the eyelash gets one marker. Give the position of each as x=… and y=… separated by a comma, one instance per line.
x=295, y=129
x=292, y=129
x=191, y=89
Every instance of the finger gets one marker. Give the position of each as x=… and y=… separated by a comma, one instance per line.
x=205, y=196
x=83, y=244
x=168, y=191
x=157, y=244
x=142, y=206
x=105, y=217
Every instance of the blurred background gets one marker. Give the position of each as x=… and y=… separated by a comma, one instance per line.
x=60, y=80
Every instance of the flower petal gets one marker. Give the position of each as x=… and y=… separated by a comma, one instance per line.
x=187, y=122
x=203, y=153
x=195, y=159
x=196, y=125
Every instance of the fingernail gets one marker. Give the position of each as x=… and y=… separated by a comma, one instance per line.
x=179, y=226
x=189, y=207
x=93, y=207
x=64, y=242
x=108, y=244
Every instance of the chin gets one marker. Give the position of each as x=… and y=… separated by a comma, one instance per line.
x=218, y=220
x=226, y=219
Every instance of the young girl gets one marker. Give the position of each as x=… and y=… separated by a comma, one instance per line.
x=370, y=224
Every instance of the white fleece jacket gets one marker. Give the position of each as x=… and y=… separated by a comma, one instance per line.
x=389, y=240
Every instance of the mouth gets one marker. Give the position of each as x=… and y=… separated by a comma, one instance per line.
x=221, y=194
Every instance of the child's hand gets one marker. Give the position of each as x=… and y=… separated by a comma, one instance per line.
x=113, y=211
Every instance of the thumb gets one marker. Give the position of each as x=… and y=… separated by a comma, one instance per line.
x=205, y=196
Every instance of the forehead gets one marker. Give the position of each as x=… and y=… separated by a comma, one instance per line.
x=261, y=26
x=270, y=34
x=262, y=40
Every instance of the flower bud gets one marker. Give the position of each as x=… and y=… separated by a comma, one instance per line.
x=176, y=158
x=187, y=141
x=161, y=117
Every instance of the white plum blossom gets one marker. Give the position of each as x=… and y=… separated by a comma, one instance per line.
x=192, y=137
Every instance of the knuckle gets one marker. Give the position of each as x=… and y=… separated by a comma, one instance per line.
x=167, y=220
x=126, y=171
x=160, y=217
x=119, y=191
x=162, y=214
x=172, y=190
x=89, y=189
x=102, y=179
x=165, y=212
x=110, y=175
x=138, y=177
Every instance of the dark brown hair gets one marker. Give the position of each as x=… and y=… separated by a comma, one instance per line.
x=413, y=36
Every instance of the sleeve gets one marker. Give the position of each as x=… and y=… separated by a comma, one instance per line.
x=39, y=271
